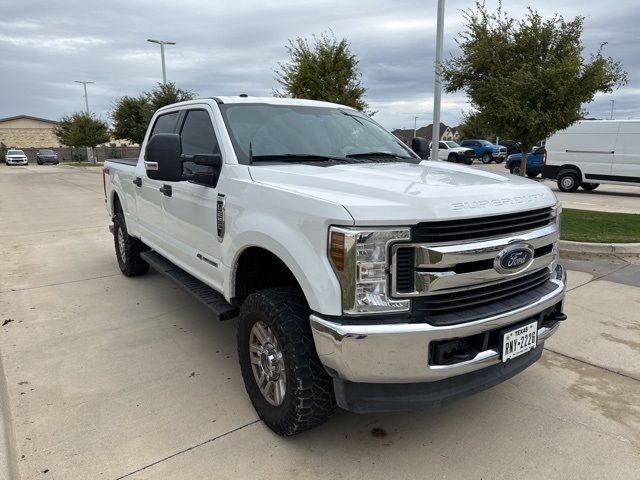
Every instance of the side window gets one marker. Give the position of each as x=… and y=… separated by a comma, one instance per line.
x=165, y=123
x=198, y=136
x=442, y=146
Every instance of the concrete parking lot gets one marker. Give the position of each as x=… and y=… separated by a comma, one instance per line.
x=606, y=198
x=109, y=377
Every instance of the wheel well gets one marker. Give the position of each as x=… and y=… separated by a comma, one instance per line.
x=570, y=168
x=117, y=206
x=257, y=269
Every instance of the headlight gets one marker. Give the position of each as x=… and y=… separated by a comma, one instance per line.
x=360, y=259
x=557, y=211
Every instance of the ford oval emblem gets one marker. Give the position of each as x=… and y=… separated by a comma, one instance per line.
x=513, y=259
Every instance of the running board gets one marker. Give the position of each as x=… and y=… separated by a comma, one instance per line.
x=211, y=299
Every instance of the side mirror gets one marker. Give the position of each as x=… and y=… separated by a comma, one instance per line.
x=208, y=177
x=162, y=157
x=420, y=146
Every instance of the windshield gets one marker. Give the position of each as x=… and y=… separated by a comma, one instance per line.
x=278, y=130
x=15, y=152
x=452, y=144
x=46, y=152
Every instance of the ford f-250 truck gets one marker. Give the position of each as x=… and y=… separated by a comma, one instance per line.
x=361, y=276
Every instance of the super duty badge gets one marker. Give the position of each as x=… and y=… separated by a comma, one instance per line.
x=220, y=215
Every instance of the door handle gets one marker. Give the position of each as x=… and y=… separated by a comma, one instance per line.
x=166, y=190
x=137, y=182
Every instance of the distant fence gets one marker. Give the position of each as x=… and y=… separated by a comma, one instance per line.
x=72, y=154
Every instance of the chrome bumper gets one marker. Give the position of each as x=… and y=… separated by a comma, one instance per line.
x=398, y=353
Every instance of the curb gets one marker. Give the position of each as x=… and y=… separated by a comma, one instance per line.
x=567, y=246
x=8, y=464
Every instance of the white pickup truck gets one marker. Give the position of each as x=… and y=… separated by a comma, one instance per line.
x=361, y=276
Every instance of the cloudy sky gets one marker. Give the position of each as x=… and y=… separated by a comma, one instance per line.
x=232, y=47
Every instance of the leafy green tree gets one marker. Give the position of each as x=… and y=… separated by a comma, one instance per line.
x=131, y=115
x=165, y=94
x=326, y=70
x=474, y=126
x=81, y=130
x=130, y=118
x=527, y=77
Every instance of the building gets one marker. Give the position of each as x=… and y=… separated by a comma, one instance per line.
x=25, y=131
x=451, y=133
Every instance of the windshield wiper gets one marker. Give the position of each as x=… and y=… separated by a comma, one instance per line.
x=303, y=157
x=377, y=154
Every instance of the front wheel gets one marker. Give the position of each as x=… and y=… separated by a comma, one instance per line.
x=515, y=169
x=486, y=158
x=453, y=158
x=532, y=174
x=568, y=181
x=499, y=160
x=128, y=249
x=589, y=186
x=286, y=382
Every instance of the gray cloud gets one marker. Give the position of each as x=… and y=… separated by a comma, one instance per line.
x=229, y=48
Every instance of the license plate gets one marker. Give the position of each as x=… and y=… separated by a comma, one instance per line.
x=519, y=341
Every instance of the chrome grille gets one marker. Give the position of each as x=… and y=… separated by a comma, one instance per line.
x=483, y=227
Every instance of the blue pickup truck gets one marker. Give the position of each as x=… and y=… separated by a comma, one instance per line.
x=535, y=161
x=486, y=151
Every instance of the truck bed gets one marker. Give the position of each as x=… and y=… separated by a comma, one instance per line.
x=125, y=161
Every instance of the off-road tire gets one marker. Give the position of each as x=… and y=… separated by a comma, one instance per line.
x=589, y=186
x=515, y=169
x=128, y=255
x=487, y=158
x=568, y=181
x=309, y=399
x=453, y=158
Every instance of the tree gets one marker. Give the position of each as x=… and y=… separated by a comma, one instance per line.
x=165, y=94
x=130, y=118
x=131, y=115
x=474, y=126
x=325, y=71
x=81, y=130
x=528, y=77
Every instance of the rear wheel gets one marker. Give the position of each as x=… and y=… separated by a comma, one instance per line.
x=568, y=181
x=486, y=158
x=589, y=186
x=285, y=380
x=532, y=174
x=128, y=249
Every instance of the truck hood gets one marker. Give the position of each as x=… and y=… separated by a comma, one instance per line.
x=403, y=193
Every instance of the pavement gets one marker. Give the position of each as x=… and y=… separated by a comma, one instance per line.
x=107, y=377
x=606, y=198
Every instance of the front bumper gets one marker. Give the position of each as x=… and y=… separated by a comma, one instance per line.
x=399, y=353
x=17, y=161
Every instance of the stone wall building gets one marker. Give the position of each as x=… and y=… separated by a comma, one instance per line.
x=24, y=131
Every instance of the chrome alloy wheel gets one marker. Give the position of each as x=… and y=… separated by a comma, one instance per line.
x=121, y=245
x=267, y=363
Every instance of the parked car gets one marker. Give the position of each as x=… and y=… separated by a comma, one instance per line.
x=46, y=156
x=511, y=146
x=16, y=157
x=452, y=152
x=360, y=276
x=535, y=161
x=592, y=152
x=486, y=151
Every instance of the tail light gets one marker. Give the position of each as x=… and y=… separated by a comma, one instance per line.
x=544, y=161
x=105, y=173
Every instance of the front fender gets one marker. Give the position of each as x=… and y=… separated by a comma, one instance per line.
x=295, y=229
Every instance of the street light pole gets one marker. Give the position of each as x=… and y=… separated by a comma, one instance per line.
x=612, y=103
x=86, y=98
x=415, y=126
x=437, y=90
x=162, y=43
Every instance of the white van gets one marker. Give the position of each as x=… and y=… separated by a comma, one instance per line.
x=592, y=152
